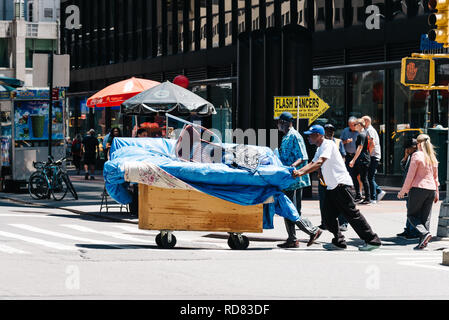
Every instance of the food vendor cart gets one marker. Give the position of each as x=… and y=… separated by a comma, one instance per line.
x=28, y=136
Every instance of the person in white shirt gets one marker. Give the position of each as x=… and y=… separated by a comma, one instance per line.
x=377, y=193
x=339, y=198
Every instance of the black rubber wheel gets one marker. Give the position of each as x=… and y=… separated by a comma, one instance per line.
x=159, y=240
x=58, y=187
x=70, y=186
x=38, y=186
x=168, y=245
x=236, y=244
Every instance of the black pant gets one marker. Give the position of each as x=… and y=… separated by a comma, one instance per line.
x=340, y=201
x=419, y=209
x=362, y=170
x=348, y=159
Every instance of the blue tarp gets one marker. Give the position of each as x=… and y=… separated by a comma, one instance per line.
x=216, y=179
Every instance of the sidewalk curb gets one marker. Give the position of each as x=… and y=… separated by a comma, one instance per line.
x=69, y=210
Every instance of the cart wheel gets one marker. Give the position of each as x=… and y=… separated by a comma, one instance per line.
x=159, y=240
x=236, y=243
x=168, y=245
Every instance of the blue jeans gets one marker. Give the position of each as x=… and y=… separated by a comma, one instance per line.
x=372, y=170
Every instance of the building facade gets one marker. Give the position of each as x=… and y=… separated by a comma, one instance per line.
x=356, y=57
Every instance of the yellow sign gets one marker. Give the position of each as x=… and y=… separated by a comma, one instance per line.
x=311, y=107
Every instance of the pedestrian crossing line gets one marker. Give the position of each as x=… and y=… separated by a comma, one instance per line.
x=421, y=265
x=116, y=235
x=6, y=215
x=419, y=258
x=136, y=229
x=70, y=237
x=409, y=254
x=37, y=241
x=7, y=249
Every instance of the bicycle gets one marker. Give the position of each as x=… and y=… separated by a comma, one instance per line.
x=50, y=179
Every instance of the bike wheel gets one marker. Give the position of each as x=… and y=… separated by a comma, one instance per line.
x=70, y=186
x=58, y=187
x=38, y=186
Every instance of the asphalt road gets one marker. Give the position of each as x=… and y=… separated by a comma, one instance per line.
x=54, y=254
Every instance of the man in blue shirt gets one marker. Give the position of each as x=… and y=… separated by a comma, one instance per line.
x=349, y=138
x=293, y=153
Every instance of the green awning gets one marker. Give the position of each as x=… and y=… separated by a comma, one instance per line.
x=12, y=82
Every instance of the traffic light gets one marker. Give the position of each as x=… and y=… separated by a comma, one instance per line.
x=439, y=21
x=418, y=72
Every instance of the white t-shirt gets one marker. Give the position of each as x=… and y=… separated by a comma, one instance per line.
x=334, y=169
x=372, y=133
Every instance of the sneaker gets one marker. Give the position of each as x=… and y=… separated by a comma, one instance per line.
x=92, y=178
x=289, y=244
x=381, y=195
x=344, y=227
x=373, y=202
x=365, y=202
x=334, y=247
x=358, y=199
x=86, y=177
x=368, y=247
x=314, y=237
x=425, y=241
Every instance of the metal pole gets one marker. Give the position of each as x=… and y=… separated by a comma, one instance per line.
x=297, y=114
x=50, y=106
x=443, y=221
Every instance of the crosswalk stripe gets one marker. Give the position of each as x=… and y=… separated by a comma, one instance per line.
x=106, y=233
x=69, y=237
x=6, y=215
x=7, y=249
x=41, y=242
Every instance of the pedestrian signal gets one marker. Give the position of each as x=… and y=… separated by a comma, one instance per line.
x=418, y=72
x=438, y=21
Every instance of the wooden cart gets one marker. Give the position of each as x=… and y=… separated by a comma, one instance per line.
x=171, y=210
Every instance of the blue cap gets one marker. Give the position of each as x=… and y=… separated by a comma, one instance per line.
x=315, y=129
x=286, y=116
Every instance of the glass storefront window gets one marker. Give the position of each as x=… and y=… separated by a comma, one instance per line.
x=367, y=92
x=410, y=117
x=331, y=88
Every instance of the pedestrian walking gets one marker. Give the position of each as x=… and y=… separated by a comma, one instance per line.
x=411, y=146
x=339, y=199
x=421, y=185
x=77, y=152
x=349, y=137
x=293, y=153
x=377, y=194
x=90, y=150
x=115, y=132
x=329, y=131
x=361, y=161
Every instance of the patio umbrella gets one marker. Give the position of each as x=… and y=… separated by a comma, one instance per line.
x=167, y=97
x=117, y=93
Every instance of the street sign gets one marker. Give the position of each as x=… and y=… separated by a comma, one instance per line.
x=307, y=107
x=427, y=44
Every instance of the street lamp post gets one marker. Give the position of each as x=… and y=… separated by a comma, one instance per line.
x=443, y=220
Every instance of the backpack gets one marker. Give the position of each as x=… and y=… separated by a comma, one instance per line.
x=76, y=146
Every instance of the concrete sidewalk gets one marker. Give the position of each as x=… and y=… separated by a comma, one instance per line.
x=88, y=203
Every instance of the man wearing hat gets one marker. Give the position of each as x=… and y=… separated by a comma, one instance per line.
x=293, y=153
x=329, y=132
x=339, y=199
x=411, y=146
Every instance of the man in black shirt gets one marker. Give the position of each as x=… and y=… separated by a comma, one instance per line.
x=90, y=149
x=362, y=160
